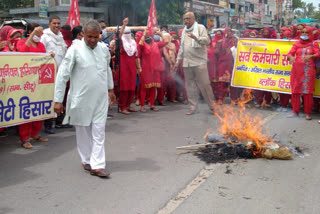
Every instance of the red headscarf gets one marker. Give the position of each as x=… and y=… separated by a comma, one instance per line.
x=316, y=33
x=271, y=35
x=294, y=32
x=254, y=31
x=13, y=42
x=4, y=32
x=305, y=43
x=172, y=33
x=228, y=40
x=286, y=34
x=139, y=34
x=283, y=29
x=217, y=37
x=246, y=33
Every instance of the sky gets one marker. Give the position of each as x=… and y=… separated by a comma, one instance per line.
x=315, y=2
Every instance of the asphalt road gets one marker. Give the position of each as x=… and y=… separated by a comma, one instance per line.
x=148, y=177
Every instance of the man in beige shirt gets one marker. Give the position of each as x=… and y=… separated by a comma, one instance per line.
x=193, y=52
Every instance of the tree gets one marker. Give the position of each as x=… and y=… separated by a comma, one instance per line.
x=316, y=14
x=306, y=10
x=168, y=11
x=12, y=4
x=296, y=4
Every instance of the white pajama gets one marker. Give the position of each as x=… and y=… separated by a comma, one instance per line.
x=90, y=143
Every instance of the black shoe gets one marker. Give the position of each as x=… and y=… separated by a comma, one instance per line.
x=50, y=130
x=110, y=116
x=63, y=126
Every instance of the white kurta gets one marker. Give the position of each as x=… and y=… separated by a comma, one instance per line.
x=90, y=77
x=54, y=43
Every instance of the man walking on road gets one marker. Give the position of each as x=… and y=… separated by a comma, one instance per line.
x=193, y=52
x=86, y=64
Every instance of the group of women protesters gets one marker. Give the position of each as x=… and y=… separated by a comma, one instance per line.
x=147, y=75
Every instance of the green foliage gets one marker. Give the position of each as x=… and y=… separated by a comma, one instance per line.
x=296, y=4
x=12, y=4
x=168, y=11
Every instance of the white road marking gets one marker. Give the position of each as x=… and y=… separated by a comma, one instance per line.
x=174, y=203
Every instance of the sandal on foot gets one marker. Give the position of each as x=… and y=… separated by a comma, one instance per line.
x=130, y=109
x=39, y=139
x=126, y=112
x=308, y=117
x=154, y=108
x=143, y=109
x=26, y=144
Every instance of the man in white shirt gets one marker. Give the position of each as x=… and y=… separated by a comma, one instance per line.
x=86, y=64
x=53, y=41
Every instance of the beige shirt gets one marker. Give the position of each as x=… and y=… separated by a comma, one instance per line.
x=191, y=56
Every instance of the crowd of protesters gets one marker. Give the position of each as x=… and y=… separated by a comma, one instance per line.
x=157, y=68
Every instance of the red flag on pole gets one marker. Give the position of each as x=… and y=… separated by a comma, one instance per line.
x=74, y=15
x=152, y=18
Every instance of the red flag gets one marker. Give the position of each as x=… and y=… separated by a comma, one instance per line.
x=152, y=18
x=74, y=15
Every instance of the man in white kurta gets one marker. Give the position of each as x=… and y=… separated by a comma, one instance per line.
x=86, y=64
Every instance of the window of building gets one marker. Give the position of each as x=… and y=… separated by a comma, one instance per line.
x=265, y=1
x=64, y=2
x=233, y=6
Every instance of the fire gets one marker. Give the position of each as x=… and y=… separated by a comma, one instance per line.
x=242, y=126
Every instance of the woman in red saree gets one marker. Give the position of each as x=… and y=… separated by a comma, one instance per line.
x=303, y=55
x=149, y=54
x=225, y=67
x=128, y=70
x=31, y=44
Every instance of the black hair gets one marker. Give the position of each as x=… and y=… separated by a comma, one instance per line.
x=75, y=31
x=53, y=17
x=30, y=27
x=66, y=27
x=164, y=26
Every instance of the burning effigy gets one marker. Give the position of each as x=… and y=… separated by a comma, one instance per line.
x=241, y=135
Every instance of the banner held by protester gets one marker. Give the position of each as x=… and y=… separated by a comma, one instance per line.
x=263, y=65
x=26, y=87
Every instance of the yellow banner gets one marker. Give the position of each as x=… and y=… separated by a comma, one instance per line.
x=26, y=87
x=263, y=65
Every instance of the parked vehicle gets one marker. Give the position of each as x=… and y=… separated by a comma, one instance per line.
x=22, y=23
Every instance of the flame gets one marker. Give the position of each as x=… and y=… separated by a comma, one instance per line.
x=246, y=96
x=242, y=126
